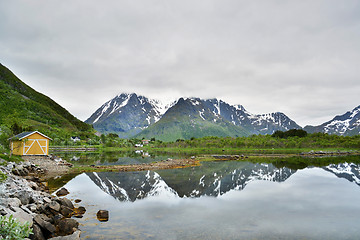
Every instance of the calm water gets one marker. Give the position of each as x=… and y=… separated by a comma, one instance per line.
x=222, y=200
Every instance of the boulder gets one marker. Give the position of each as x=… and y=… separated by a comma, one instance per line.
x=81, y=209
x=27, y=210
x=37, y=233
x=79, y=212
x=31, y=207
x=57, y=218
x=24, y=196
x=55, y=206
x=4, y=211
x=22, y=216
x=11, y=202
x=46, y=218
x=66, y=211
x=62, y=192
x=47, y=210
x=41, y=208
x=44, y=224
x=66, y=202
x=102, y=215
x=74, y=236
x=47, y=200
x=16, y=172
x=67, y=226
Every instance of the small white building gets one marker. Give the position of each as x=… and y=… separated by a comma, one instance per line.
x=75, y=139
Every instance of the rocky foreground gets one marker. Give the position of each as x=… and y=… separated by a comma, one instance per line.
x=25, y=197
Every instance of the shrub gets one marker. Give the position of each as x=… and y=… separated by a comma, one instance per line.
x=290, y=133
x=3, y=177
x=11, y=229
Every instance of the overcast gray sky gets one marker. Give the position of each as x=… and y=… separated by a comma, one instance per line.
x=297, y=57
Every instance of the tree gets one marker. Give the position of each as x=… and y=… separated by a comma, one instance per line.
x=103, y=138
x=16, y=128
x=278, y=134
x=290, y=133
x=113, y=135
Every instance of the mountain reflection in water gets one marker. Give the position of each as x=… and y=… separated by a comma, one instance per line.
x=192, y=182
x=312, y=203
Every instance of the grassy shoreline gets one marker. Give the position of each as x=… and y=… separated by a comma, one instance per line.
x=305, y=158
x=189, y=150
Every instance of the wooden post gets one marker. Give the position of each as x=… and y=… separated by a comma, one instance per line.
x=11, y=150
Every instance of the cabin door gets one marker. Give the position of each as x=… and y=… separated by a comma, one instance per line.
x=35, y=147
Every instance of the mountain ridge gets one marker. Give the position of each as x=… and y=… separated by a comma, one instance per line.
x=183, y=119
x=196, y=117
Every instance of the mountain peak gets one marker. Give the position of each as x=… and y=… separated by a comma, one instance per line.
x=347, y=124
x=127, y=114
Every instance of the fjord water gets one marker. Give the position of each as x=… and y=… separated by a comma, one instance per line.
x=222, y=200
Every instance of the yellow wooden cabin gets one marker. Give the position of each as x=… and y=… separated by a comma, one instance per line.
x=30, y=143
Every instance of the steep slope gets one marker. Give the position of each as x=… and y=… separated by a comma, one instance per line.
x=126, y=115
x=347, y=124
x=195, y=117
x=21, y=104
x=191, y=117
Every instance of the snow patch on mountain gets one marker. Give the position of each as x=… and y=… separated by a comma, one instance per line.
x=347, y=124
x=343, y=123
x=349, y=171
x=160, y=187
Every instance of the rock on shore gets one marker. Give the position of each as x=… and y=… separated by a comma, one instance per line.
x=28, y=200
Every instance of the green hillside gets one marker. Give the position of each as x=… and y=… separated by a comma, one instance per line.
x=21, y=107
x=189, y=129
x=183, y=122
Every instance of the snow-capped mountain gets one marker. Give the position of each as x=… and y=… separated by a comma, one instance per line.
x=256, y=124
x=349, y=171
x=192, y=117
x=127, y=114
x=271, y=122
x=195, y=117
x=132, y=115
x=130, y=186
x=347, y=124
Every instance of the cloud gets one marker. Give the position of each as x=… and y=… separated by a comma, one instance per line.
x=299, y=57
